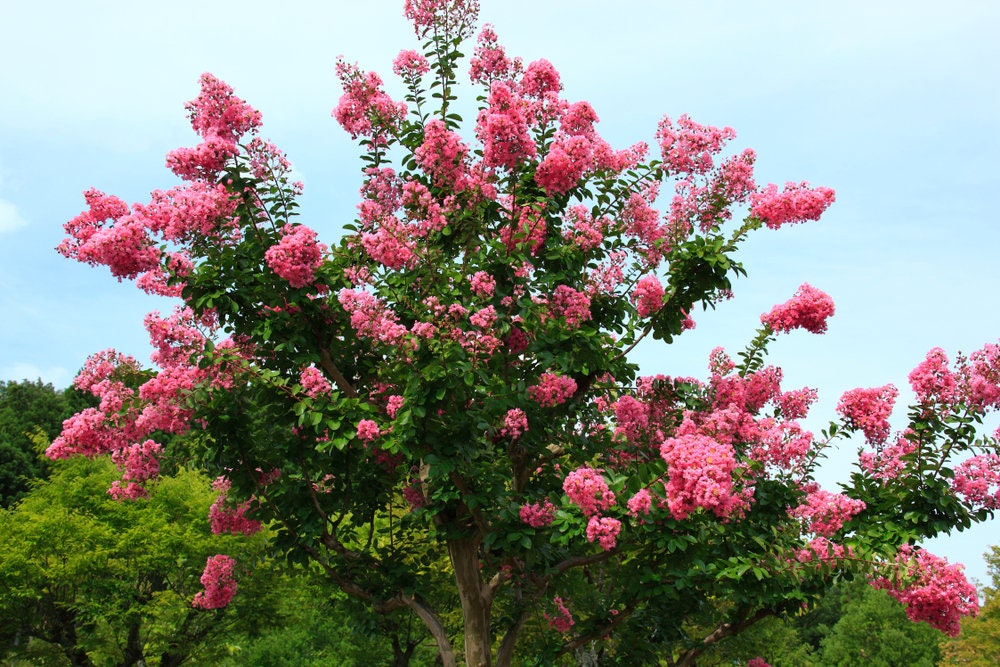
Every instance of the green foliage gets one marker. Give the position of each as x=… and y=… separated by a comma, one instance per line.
x=874, y=630
x=105, y=581
x=979, y=643
x=27, y=408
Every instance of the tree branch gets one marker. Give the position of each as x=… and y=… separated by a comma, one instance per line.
x=434, y=626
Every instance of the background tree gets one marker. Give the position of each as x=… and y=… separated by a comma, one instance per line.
x=451, y=383
x=979, y=643
x=28, y=407
x=106, y=582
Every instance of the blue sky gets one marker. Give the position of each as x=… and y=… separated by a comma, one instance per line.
x=895, y=105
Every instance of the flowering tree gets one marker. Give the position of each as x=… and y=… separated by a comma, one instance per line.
x=451, y=383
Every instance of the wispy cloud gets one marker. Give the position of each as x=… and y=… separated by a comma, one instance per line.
x=10, y=217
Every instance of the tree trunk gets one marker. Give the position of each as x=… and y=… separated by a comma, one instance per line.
x=475, y=601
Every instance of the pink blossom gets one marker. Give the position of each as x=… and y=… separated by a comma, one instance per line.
x=528, y=229
x=981, y=378
x=825, y=513
x=393, y=405
x=442, y=154
x=515, y=423
x=370, y=318
x=562, y=620
x=484, y=317
x=123, y=245
x=808, y=309
x=489, y=62
x=586, y=488
x=130, y=491
x=368, y=430
x=823, y=550
x=139, y=462
x=503, y=129
x=204, y=161
x=604, y=530
x=314, y=383
x=977, y=480
x=483, y=284
x=888, y=462
x=869, y=410
x=582, y=229
x=410, y=65
x=570, y=304
x=364, y=109
x=296, y=256
x=219, y=583
x=689, y=147
x=552, y=390
x=932, y=590
x=796, y=203
x=795, y=404
x=452, y=18
x=640, y=503
x=228, y=517
x=757, y=662
x=538, y=515
x=218, y=112
x=648, y=295
x=701, y=475
x=932, y=381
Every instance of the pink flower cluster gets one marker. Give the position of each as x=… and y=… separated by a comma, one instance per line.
x=515, y=423
x=977, y=479
x=489, y=62
x=220, y=118
x=570, y=304
x=219, y=583
x=640, y=503
x=225, y=517
x=689, y=147
x=701, y=475
x=296, y=256
x=808, y=309
x=796, y=203
x=586, y=488
x=552, y=390
x=314, y=383
x=982, y=377
x=822, y=550
x=449, y=18
x=562, y=619
x=932, y=590
x=932, y=381
x=410, y=65
x=825, y=513
x=869, y=410
x=648, y=295
x=123, y=245
x=368, y=430
x=604, y=530
x=502, y=127
x=887, y=462
x=442, y=155
x=538, y=515
x=364, y=109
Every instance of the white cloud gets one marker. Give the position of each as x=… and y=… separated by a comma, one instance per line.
x=10, y=217
x=57, y=376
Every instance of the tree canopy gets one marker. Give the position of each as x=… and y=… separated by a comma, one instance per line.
x=441, y=410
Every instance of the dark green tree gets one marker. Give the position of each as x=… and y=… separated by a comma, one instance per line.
x=27, y=407
x=875, y=631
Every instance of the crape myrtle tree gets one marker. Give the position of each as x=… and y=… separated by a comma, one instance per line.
x=441, y=410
